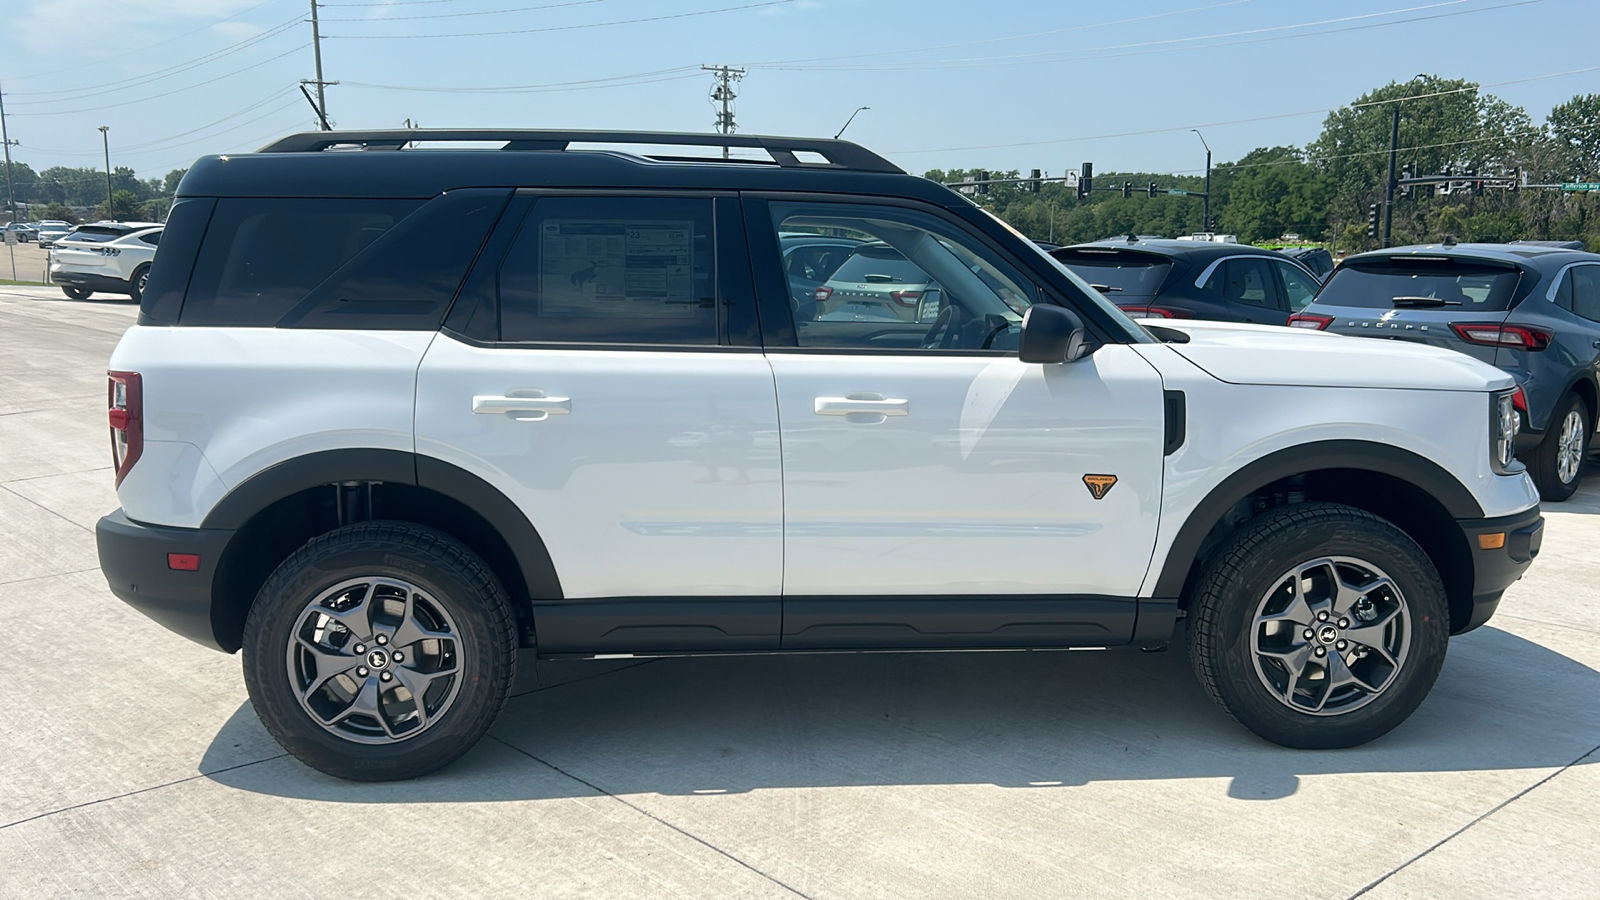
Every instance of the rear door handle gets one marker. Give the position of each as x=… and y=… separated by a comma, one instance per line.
x=529, y=405
x=861, y=403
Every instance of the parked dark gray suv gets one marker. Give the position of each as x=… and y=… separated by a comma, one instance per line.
x=1534, y=311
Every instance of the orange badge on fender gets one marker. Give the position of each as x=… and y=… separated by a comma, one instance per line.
x=1099, y=485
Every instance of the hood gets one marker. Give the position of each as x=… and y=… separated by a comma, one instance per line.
x=1301, y=357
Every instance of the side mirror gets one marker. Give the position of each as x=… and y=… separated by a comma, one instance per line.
x=1052, y=334
x=930, y=304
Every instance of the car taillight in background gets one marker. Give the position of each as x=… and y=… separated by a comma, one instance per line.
x=822, y=294
x=1494, y=334
x=1160, y=312
x=125, y=399
x=906, y=298
x=1310, y=320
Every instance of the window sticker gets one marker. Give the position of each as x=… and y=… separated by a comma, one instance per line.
x=612, y=267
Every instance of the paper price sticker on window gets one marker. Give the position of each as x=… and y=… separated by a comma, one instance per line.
x=595, y=267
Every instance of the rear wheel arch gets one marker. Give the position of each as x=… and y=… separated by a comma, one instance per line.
x=1412, y=492
x=282, y=507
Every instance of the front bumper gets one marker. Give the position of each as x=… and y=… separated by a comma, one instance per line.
x=1495, y=568
x=133, y=557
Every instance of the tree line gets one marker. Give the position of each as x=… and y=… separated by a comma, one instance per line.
x=1323, y=190
x=64, y=192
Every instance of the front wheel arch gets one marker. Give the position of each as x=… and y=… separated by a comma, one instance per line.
x=1414, y=493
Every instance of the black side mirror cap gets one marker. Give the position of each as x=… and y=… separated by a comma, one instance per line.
x=1052, y=334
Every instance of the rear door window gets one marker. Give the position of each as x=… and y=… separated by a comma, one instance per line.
x=612, y=270
x=1586, y=292
x=1117, y=273
x=1462, y=284
x=1247, y=280
x=1298, y=288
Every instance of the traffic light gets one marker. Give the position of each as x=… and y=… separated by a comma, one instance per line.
x=983, y=181
x=1152, y=188
x=1034, y=181
x=1477, y=184
x=1516, y=179
x=1212, y=224
x=1085, y=180
x=1372, y=220
x=1405, y=189
x=1127, y=189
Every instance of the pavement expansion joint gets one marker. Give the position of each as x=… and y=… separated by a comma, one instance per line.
x=1463, y=829
x=144, y=790
x=650, y=815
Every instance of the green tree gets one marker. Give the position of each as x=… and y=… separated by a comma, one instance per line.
x=1574, y=138
x=124, y=207
x=1270, y=191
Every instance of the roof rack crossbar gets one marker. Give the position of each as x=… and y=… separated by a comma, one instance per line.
x=784, y=150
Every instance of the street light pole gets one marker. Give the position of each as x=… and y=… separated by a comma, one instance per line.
x=105, y=141
x=1205, y=224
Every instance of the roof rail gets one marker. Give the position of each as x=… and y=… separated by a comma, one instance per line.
x=839, y=154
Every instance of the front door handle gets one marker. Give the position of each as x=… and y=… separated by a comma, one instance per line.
x=529, y=405
x=861, y=403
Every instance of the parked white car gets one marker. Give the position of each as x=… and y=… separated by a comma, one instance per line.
x=388, y=416
x=52, y=230
x=111, y=258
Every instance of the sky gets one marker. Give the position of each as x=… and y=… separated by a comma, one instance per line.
x=1007, y=84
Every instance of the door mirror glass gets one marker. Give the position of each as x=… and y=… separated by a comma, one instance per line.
x=1052, y=334
x=928, y=306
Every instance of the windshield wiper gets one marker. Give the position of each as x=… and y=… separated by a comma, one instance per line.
x=1423, y=301
x=1104, y=288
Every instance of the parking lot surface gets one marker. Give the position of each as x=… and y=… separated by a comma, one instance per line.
x=131, y=763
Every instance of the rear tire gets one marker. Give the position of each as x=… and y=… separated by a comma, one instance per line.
x=1557, y=463
x=379, y=651
x=1318, y=626
x=136, y=284
x=77, y=293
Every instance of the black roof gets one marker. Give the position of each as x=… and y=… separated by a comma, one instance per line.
x=317, y=164
x=1193, y=251
x=1540, y=258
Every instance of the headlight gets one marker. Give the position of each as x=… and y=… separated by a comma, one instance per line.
x=1503, y=427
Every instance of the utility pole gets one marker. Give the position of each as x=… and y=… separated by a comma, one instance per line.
x=105, y=140
x=1388, y=187
x=723, y=93
x=1205, y=210
x=5, y=138
x=316, y=52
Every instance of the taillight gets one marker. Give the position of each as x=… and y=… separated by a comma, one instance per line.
x=1494, y=334
x=1310, y=320
x=906, y=298
x=125, y=399
x=1519, y=400
x=823, y=293
x=1155, y=311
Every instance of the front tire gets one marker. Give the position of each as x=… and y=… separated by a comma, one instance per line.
x=1319, y=626
x=1557, y=463
x=379, y=651
x=77, y=293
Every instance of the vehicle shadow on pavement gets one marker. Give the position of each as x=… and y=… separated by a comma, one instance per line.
x=1028, y=721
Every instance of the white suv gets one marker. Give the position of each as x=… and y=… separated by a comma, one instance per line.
x=109, y=257
x=389, y=416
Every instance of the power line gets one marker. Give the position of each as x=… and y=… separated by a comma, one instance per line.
x=79, y=66
x=703, y=12
x=723, y=93
x=656, y=77
x=484, y=12
x=91, y=90
x=1162, y=46
x=124, y=103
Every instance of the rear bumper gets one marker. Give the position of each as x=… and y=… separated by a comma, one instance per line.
x=93, y=282
x=133, y=557
x=1496, y=568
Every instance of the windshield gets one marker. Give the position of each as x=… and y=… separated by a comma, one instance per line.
x=1117, y=272
x=1422, y=284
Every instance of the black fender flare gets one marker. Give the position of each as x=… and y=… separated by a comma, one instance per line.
x=327, y=467
x=1318, y=455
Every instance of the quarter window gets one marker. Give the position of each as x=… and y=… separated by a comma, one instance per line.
x=612, y=270
x=1298, y=288
x=1246, y=280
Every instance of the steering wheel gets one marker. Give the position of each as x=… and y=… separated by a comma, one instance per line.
x=946, y=321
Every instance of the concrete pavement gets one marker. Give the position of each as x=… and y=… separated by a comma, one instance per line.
x=131, y=764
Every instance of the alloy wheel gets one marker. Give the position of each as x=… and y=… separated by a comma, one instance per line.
x=1330, y=635
x=375, y=660
x=1570, y=447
